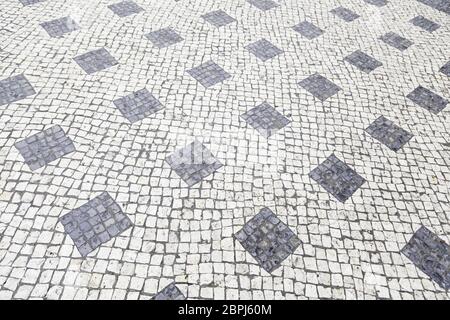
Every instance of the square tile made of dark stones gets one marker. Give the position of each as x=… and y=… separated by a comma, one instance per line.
x=427, y=99
x=30, y=2
x=125, y=8
x=388, y=133
x=94, y=223
x=345, y=14
x=265, y=119
x=441, y=5
x=15, y=88
x=445, y=69
x=308, y=30
x=263, y=5
x=218, y=18
x=378, y=3
x=138, y=105
x=424, y=23
x=268, y=239
x=44, y=147
x=431, y=255
x=95, y=60
x=363, y=61
x=319, y=86
x=193, y=163
x=396, y=41
x=164, y=38
x=263, y=49
x=171, y=292
x=337, y=178
x=208, y=74
x=59, y=27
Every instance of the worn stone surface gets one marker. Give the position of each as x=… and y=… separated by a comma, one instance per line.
x=388, y=133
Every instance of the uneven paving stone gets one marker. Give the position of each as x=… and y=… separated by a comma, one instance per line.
x=431, y=255
x=218, y=18
x=94, y=223
x=397, y=41
x=14, y=89
x=95, y=60
x=427, y=99
x=30, y=2
x=171, y=292
x=209, y=74
x=445, y=69
x=337, y=178
x=378, y=3
x=265, y=119
x=268, y=239
x=424, y=23
x=125, y=8
x=345, y=14
x=164, y=38
x=193, y=163
x=319, y=86
x=59, y=27
x=388, y=133
x=263, y=5
x=308, y=30
x=44, y=147
x=263, y=49
x=441, y=5
x=138, y=105
x=363, y=61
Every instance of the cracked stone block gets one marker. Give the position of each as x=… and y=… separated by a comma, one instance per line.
x=424, y=23
x=431, y=255
x=268, y=239
x=265, y=119
x=164, y=38
x=337, y=178
x=15, y=88
x=345, y=14
x=263, y=49
x=218, y=18
x=388, y=133
x=193, y=163
x=263, y=5
x=208, y=74
x=30, y=2
x=363, y=61
x=427, y=99
x=59, y=27
x=44, y=147
x=308, y=30
x=319, y=86
x=441, y=5
x=95, y=60
x=94, y=223
x=445, y=69
x=138, y=105
x=378, y=3
x=171, y=292
x=397, y=41
x=125, y=8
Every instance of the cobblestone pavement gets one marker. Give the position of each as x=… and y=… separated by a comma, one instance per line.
x=233, y=149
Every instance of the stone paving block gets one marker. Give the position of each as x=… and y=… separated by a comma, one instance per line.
x=424, y=23
x=263, y=49
x=427, y=99
x=263, y=5
x=14, y=89
x=337, y=178
x=319, y=86
x=441, y=5
x=95, y=60
x=193, y=163
x=30, y=2
x=308, y=30
x=378, y=3
x=59, y=27
x=345, y=14
x=265, y=119
x=268, y=239
x=218, y=18
x=208, y=74
x=431, y=255
x=138, y=105
x=94, y=223
x=125, y=8
x=164, y=38
x=171, y=292
x=44, y=147
x=397, y=41
x=445, y=69
x=388, y=133
x=363, y=61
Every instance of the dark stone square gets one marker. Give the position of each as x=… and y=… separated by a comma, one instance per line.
x=268, y=239
x=263, y=5
x=125, y=8
x=445, y=69
x=14, y=89
x=96, y=60
x=397, y=41
x=427, y=99
x=164, y=38
x=263, y=49
x=378, y=3
x=431, y=255
x=363, y=61
x=59, y=27
x=424, y=23
x=441, y=5
x=308, y=30
x=94, y=223
x=218, y=18
x=265, y=119
x=319, y=86
x=171, y=292
x=345, y=14
x=30, y=2
x=337, y=178
x=388, y=133
x=138, y=105
x=208, y=74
